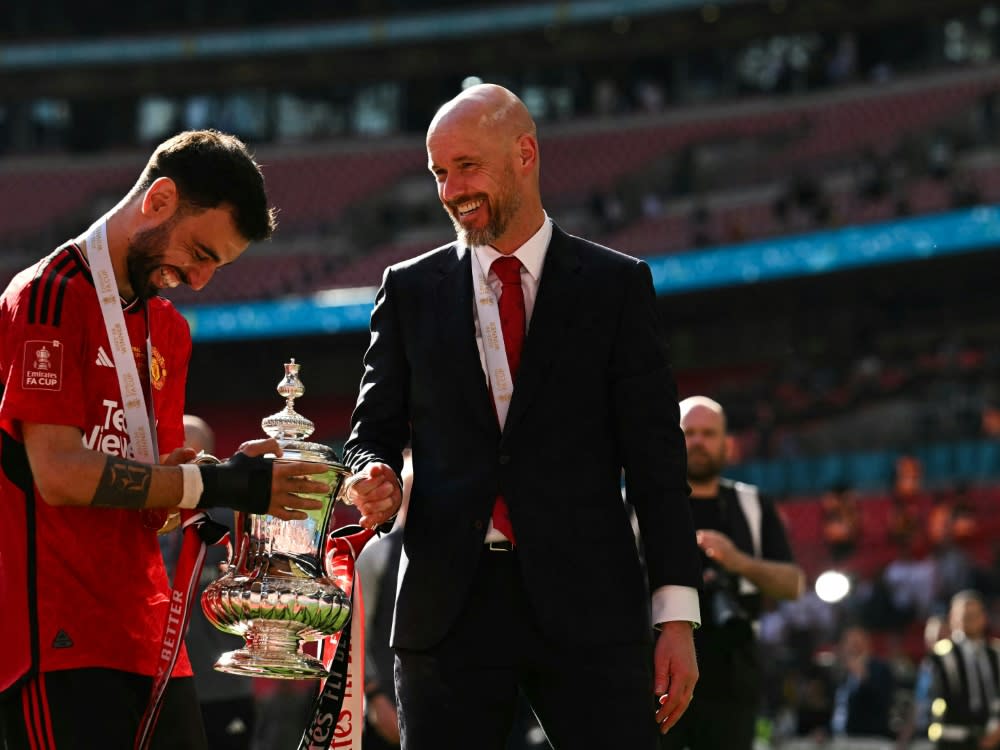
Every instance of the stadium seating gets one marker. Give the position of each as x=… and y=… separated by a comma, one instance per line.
x=37, y=193
x=803, y=518
x=320, y=187
x=315, y=188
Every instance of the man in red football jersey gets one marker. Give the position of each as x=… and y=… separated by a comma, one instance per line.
x=93, y=365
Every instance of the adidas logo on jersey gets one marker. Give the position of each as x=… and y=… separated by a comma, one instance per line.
x=62, y=640
x=103, y=360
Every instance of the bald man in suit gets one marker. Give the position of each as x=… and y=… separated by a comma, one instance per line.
x=519, y=566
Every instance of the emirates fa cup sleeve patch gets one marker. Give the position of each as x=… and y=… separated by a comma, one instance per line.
x=43, y=361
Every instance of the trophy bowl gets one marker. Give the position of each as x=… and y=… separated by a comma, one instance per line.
x=276, y=592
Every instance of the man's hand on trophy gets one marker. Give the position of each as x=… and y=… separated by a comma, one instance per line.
x=251, y=483
x=288, y=485
x=178, y=456
x=261, y=447
x=376, y=492
x=289, y=481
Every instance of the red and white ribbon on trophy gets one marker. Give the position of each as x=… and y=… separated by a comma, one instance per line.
x=199, y=532
x=338, y=713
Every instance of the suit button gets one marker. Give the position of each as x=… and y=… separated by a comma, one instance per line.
x=477, y=525
x=504, y=459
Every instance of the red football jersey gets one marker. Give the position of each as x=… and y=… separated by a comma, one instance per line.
x=80, y=586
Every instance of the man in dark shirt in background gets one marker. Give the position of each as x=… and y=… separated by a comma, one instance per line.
x=746, y=557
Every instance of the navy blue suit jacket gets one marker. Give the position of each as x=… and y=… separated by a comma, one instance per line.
x=594, y=395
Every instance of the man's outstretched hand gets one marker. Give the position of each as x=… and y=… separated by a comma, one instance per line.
x=289, y=481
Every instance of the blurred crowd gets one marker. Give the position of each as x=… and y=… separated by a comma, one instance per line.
x=875, y=397
x=873, y=644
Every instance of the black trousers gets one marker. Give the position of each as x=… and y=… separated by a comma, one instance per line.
x=711, y=724
x=464, y=692
x=83, y=709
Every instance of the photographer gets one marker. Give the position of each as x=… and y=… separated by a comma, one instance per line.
x=746, y=556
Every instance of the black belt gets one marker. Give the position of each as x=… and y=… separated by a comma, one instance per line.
x=504, y=545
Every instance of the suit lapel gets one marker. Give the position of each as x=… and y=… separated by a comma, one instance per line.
x=457, y=354
x=555, y=306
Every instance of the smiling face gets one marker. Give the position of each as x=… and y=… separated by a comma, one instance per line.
x=179, y=245
x=482, y=152
x=145, y=251
x=486, y=205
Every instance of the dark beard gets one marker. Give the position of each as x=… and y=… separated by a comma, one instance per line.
x=703, y=476
x=502, y=210
x=708, y=468
x=140, y=269
x=478, y=237
x=145, y=255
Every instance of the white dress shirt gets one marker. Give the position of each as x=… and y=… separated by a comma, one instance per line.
x=669, y=602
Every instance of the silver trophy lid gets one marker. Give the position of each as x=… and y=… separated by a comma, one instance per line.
x=290, y=428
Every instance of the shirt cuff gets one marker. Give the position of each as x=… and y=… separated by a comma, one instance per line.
x=676, y=603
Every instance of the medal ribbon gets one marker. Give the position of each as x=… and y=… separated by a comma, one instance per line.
x=497, y=367
x=139, y=417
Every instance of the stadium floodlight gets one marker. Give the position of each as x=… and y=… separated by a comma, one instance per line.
x=832, y=586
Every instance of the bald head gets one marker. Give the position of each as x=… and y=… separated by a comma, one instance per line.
x=197, y=434
x=702, y=402
x=486, y=106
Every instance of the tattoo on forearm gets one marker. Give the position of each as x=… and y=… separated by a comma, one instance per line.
x=123, y=484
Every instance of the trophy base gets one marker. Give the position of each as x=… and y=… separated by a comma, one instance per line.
x=297, y=666
x=272, y=650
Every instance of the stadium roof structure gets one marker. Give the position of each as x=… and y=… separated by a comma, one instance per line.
x=300, y=51
x=339, y=35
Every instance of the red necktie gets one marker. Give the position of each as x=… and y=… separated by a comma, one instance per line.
x=508, y=270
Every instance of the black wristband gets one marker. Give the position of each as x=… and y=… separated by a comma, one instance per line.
x=242, y=483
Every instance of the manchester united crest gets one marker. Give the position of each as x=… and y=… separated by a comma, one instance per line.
x=158, y=369
x=157, y=366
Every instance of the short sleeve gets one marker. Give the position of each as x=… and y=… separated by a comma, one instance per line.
x=41, y=361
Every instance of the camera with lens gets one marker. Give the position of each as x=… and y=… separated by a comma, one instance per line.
x=726, y=614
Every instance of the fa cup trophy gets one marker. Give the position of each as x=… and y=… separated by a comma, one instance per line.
x=276, y=592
